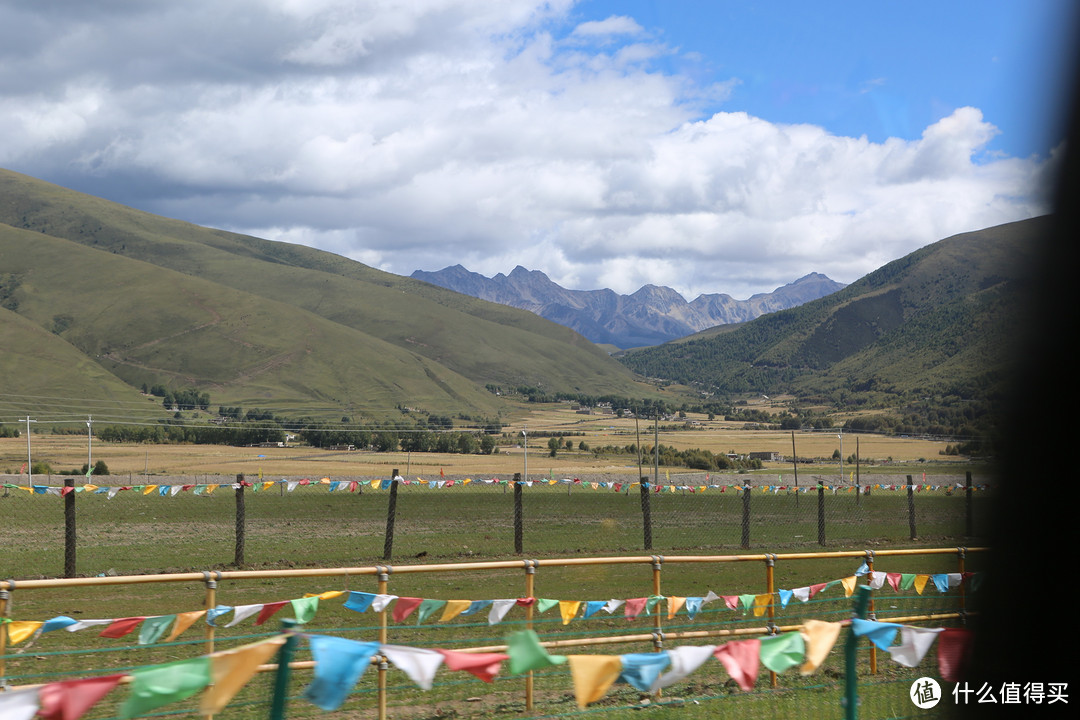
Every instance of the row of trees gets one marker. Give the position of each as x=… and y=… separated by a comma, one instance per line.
x=185, y=399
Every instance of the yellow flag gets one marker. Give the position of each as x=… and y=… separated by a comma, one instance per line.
x=849, y=585
x=326, y=595
x=674, y=603
x=269, y=484
x=90, y=488
x=453, y=608
x=593, y=675
x=920, y=582
x=231, y=671
x=260, y=473
x=568, y=609
x=211, y=488
x=183, y=622
x=819, y=637
x=149, y=489
x=19, y=630
x=552, y=482
x=466, y=481
x=761, y=604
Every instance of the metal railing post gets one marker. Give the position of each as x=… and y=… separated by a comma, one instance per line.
x=770, y=586
x=281, y=676
x=870, y=611
x=530, y=589
x=851, y=644
x=384, y=581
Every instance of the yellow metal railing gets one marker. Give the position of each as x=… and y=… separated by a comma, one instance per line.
x=529, y=567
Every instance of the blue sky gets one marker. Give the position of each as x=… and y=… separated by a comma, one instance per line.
x=876, y=68
x=709, y=146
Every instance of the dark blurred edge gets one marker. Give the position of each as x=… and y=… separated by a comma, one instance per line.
x=1025, y=615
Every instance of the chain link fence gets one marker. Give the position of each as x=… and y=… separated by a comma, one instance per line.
x=191, y=522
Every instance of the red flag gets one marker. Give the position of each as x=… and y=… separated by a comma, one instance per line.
x=121, y=627
x=816, y=588
x=894, y=581
x=268, y=611
x=483, y=665
x=740, y=659
x=70, y=699
x=441, y=473
x=634, y=606
x=954, y=653
x=22, y=469
x=525, y=602
x=404, y=607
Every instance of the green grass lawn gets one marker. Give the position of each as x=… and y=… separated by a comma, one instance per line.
x=135, y=533
x=312, y=528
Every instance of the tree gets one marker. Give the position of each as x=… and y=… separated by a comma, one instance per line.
x=553, y=446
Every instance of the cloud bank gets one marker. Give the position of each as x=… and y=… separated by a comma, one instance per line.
x=419, y=135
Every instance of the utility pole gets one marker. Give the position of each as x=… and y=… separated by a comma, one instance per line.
x=89, y=444
x=525, y=444
x=841, y=436
x=29, y=463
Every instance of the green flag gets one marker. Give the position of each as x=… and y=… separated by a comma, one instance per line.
x=545, y=604
x=154, y=627
x=158, y=685
x=427, y=607
x=305, y=608
x=780, y=652
x=527, y=654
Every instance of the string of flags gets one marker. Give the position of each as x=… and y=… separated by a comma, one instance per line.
x=167, y=628
x=339, y=664
x=208, y=489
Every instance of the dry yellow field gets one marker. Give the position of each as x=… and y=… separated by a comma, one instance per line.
x=64, y=452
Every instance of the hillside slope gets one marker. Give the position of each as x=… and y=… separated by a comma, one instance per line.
x=938, y=321
x=250, y=316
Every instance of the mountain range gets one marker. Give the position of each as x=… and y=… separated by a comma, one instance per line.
x=652, y=315
x=98, y=300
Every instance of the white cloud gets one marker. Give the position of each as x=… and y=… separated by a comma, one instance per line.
x=614, y=25
x=419, y=135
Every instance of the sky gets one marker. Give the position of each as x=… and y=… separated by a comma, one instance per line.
x=707, y=145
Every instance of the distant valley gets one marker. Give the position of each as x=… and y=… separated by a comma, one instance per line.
x=650, y=316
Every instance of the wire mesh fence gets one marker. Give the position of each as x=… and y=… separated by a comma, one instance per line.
x=188, y=522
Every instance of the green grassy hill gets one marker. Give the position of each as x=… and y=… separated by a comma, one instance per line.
x=153, y=300
x=937, y=322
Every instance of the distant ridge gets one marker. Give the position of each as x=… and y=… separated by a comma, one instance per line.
x=652, y=315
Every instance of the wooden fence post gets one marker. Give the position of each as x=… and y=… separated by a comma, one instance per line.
x=911, y=507
x=746, y=516
x=646, y=512
x=967, y=502
x=241, y=520
x=69, y=528
x=391, y=515
x=820, y=512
